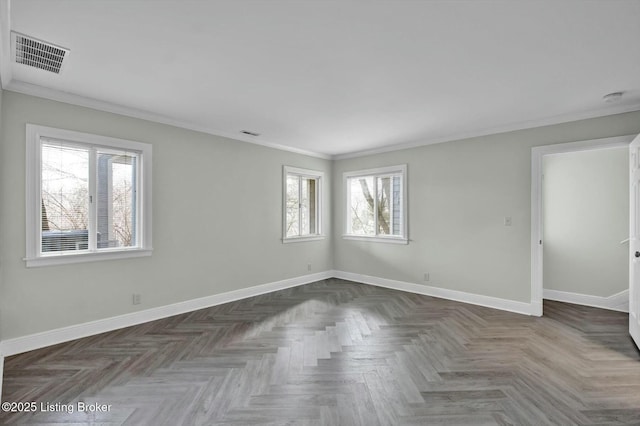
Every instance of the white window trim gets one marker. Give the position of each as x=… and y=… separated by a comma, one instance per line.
x=319, y=176
x=399, y=169
x=33, y=193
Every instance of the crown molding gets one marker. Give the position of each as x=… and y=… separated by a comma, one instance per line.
x=8, y=83
x=73, y=99
x=524, y=125
x=5, y=43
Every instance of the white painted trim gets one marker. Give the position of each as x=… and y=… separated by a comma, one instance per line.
x=64, y=259
x=70, y=98
x=377, y=171
x=633, y=329
x=537, y=153
x=6, y=74
x=34, y=135
x=387, y=170
x=377, y=239
x=319, y=178
x=43, y=92
x=615, y=302
x=530, y=124
x=303, y=238
x=443, y=293
x=52, y=337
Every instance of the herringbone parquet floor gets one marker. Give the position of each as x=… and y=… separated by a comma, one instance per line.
x=340, y=353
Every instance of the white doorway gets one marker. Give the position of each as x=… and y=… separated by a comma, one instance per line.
x=537, y=222
x=634, y=240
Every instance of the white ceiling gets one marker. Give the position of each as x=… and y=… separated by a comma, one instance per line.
x=336, y=77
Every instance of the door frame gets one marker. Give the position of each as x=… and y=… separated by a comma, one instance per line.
x=537, y=154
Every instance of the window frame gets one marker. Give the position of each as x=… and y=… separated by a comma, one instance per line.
x=376, y=173
x=319, y=178
x=34, y=138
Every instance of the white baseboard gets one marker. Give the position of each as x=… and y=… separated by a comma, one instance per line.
x=65, y=334
x=459, y=296
x=616, y=302
x=52, y=337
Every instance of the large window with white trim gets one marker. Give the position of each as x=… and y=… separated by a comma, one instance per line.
x=302, y=195
x=376, y=204
x=88, y=197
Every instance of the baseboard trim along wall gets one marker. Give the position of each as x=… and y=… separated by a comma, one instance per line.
x=52, y=337
x=40, y=340
x=616, y=302
x=443, y=293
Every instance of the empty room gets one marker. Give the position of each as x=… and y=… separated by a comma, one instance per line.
x=245, y=212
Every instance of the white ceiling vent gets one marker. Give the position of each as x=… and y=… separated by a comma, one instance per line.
x=37, y=53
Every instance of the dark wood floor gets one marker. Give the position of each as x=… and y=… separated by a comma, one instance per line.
x=341, y=353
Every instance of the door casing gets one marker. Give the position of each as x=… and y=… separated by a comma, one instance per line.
x=537, y=154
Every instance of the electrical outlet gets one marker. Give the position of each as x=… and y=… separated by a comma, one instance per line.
x=426, y=276
x=136, y=298
x=507, y=221
x=308, y=267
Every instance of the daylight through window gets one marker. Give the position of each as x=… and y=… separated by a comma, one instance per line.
x=302, y=196
x=376, y=203
x=85, y=198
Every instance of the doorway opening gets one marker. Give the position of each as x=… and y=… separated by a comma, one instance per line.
x=538, y=155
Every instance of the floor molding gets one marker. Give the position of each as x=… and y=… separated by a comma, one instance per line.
x=39, y=340
x=633, y=330
x=52, y=337
x=18, y=345
x=459, y=296
x=616, y=302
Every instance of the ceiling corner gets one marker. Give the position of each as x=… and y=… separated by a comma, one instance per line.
x=5, y=46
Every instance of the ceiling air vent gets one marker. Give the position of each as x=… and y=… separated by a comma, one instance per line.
x=37, y=53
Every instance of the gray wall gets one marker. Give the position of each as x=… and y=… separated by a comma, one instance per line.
x=586, y=215
x=459, y=194
x=2, y=179
x=217, y=219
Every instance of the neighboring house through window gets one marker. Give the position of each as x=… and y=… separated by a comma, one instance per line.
x=88, y=197
x=376, y=204
x=302, y=195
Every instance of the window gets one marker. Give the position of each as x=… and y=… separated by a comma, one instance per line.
x=302, y=195
x=376, y=204
x=88, y=197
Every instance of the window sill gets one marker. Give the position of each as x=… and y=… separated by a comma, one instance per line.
x=378, y=239
x=63, y=259
x=304, y=238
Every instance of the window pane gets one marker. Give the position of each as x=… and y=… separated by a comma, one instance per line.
x=293, y=206
x=65, y=197
x=397, y=206
x=384, y=208
x=308, y=206
x=116, y=199
x=361, y=208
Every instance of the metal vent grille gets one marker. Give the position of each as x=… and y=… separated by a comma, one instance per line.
x=38, y=54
